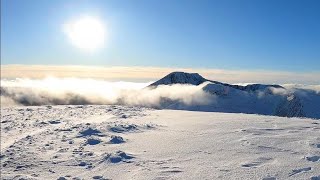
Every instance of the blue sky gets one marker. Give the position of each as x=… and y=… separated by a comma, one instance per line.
x=227, y=34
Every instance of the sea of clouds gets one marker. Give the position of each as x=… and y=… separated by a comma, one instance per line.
x=74, y=91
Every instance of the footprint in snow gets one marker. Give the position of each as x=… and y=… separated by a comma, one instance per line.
x=54, y=121
x=315, y=178
x=84, y=164
x=313, y=158
x=301, y=170
x=258, y=162
x=116, y=140
x=167, y=169
x=92, y=141
x=269, y=178
x=99, y=178
x=315, y=145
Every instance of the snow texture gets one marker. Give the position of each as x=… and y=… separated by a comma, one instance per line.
x=122, y=142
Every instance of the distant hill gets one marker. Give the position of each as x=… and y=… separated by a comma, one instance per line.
x=196, y=79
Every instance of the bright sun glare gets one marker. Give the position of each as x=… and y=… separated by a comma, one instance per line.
x=87, y=33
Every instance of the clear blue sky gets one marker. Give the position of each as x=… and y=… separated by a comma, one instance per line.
x=230, y=34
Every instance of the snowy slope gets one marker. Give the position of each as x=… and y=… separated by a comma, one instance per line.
x=119, y=142
x=228, y=99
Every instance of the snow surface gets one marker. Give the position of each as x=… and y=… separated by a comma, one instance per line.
x=120, y=142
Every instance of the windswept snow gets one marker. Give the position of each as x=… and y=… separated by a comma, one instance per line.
x=120, y=142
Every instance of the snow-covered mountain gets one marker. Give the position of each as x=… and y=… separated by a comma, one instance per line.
x=196, y=79
x=253, y=99
x=180, y=78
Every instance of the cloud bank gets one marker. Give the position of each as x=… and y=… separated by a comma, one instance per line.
x=303, y=86
x=73, y=91
x=145, y=74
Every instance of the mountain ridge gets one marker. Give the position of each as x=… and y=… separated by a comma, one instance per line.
x=178, y=77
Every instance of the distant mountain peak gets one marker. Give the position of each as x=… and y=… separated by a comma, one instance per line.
x=180, y=78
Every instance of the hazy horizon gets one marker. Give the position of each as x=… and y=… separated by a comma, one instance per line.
x=147, y=74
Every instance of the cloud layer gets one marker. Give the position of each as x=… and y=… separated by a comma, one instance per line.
x=57, y=91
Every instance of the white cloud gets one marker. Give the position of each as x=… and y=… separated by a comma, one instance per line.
x=52, y=91
x=303, y=86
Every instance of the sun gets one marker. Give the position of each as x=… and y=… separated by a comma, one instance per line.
x=87, y=33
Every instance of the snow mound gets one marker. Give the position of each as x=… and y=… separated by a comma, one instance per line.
x=122, y=128
x=116, y=140
x=117, y=157
x=90, y=132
